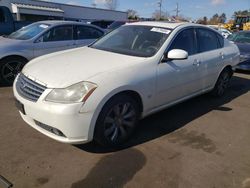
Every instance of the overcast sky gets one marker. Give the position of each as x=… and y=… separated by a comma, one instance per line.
x=189, y=8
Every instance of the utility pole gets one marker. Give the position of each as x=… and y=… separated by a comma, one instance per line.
x=160, y=5
x=177, y=9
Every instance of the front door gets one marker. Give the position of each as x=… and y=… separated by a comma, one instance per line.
x=180, y=78
x=56, y=39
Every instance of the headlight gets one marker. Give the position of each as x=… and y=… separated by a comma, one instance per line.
x=76, y=93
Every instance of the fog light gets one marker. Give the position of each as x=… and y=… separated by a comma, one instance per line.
x=50, y=129
x=57, y=132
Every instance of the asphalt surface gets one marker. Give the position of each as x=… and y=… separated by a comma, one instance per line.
x=201, y=143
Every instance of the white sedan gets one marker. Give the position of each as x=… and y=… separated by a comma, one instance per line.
x=101, y=91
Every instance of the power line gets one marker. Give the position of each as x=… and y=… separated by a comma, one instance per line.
x=177, y=10
x=160, y=5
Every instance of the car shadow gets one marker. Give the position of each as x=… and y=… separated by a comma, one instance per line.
x=178, y=116
x=243, y=71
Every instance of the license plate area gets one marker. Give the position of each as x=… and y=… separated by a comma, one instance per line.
x=20, y=106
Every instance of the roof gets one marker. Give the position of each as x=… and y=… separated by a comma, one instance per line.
x=35, y=7
x=62, y=22
x=80, y=6
x=169, y=25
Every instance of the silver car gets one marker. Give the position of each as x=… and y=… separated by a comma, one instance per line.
x=41, y=38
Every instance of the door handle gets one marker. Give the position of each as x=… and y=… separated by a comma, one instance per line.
x=222, y=55
x=197, y=62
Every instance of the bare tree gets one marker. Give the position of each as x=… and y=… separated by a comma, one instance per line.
x=157, y=15
x=132, y=14
x=111, y=4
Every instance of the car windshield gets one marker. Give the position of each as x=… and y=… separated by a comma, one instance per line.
x=29, y=31
x=142, y=41
x=241, y=37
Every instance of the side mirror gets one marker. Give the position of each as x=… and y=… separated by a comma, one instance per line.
x=39, y=40
x=175, y=54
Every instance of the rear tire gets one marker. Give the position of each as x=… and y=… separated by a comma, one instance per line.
x=117, y=121
x=222, y=83
x=9, y=69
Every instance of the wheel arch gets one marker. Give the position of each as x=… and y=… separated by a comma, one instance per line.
x=131, y=92
x=14, y=56
x=227, y=67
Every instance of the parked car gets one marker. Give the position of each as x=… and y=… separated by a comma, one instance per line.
x=41, y=38
x=117, y=24
x=242, y=40
x=101, y=91
x=102, y=23
x=224, y=32
x=7, y=23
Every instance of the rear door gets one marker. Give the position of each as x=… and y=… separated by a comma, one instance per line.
x=180, y=78
x=56, y=39
x=210, y=47
x=85, y=35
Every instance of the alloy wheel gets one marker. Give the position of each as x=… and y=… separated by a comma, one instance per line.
x=10, y=70
x=119, y=122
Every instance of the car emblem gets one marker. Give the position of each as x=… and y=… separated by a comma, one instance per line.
x=24, y=86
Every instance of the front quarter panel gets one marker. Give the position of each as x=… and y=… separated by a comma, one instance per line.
x=24, y=49
x=140, y=78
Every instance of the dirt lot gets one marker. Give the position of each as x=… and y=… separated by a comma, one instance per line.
x=202, y=143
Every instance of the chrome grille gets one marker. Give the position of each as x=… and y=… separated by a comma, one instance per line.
x=28, y=88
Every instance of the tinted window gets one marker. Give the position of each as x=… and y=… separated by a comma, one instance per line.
x=142, y=41
x=185, y=41
x=84, y=32
x=221, y=41
x=2, y=17
x=60, y=33
x=207, y=40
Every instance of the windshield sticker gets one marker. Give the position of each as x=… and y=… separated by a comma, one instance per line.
x=43, y=26
x=160, y=30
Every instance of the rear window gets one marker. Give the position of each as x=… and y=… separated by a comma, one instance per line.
x=85, y=32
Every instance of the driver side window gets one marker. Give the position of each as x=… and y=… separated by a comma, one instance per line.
x=185, y=40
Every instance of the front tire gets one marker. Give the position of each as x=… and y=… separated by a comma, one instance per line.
x=9, y=68
x=222, y=83
x=117, y=121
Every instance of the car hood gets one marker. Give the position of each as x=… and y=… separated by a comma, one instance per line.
x=244, y=48
x=6, y=42
x=62, y=69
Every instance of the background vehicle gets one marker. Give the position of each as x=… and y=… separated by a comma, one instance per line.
x=224, y=32
x=41, y=38
x=130, y=73
x=240, y=22
x=7, y=23
x=117, y=24
x=102, y=23
x=242, y=40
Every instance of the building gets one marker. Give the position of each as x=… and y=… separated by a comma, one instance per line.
x=35, y=10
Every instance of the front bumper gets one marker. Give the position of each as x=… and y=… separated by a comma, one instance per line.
x=75, y=126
